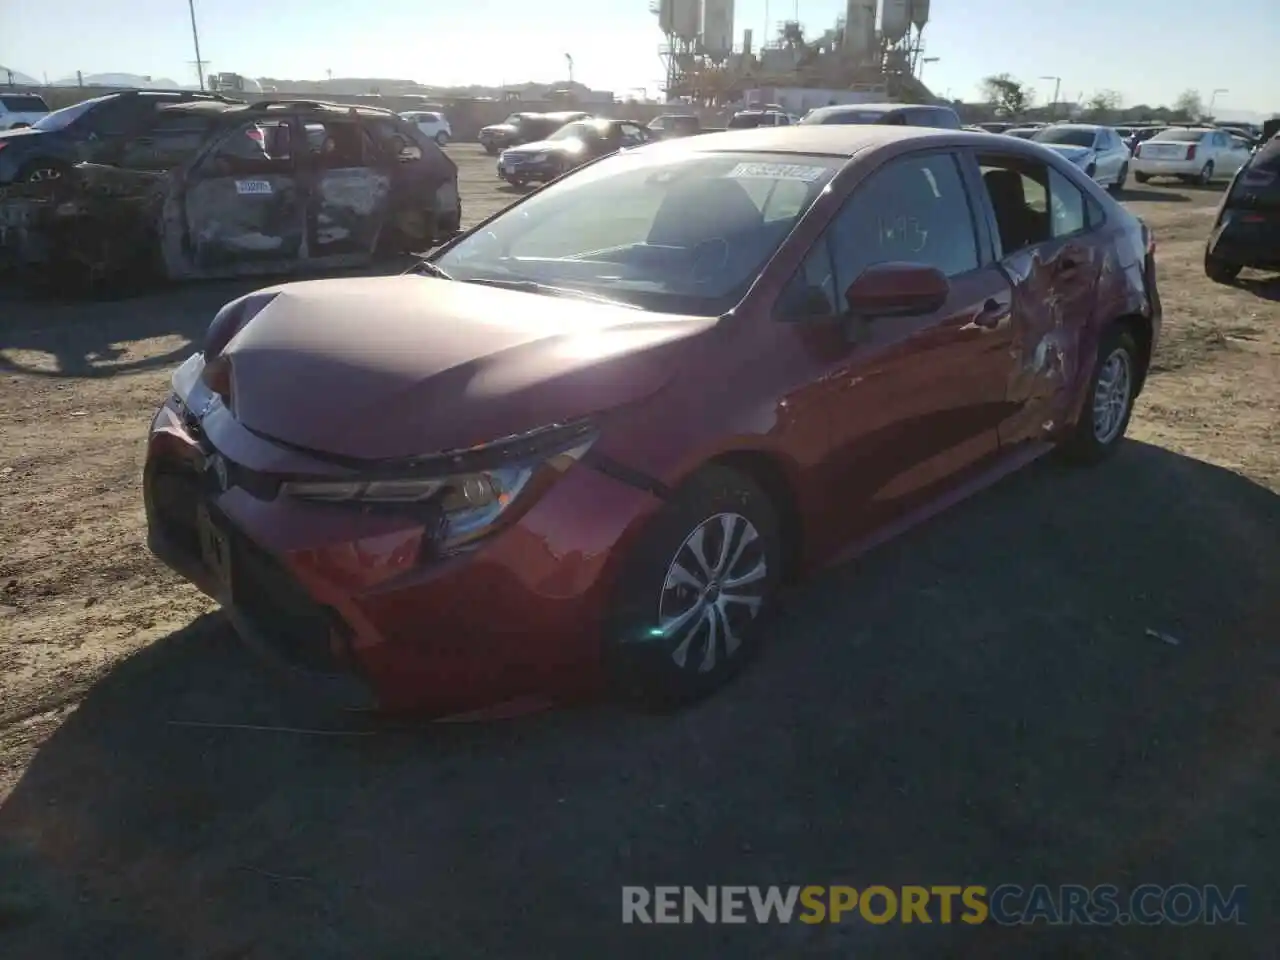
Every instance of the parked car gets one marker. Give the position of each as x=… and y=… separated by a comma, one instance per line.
x=85, y=131
x=208, y=188
x=1022, y=133
x=750, y=119
x=18, y=110
x=1191, y=154
x=432, y=123
x=996, y=126
x=571, y=146
x=898, y=114
x=524, y=128
x=1246, y=231
x=675, y=125
x=524, y=471
x=1096, y=150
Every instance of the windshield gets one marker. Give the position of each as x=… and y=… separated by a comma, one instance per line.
x=61, y=119
x=538, y=128
x=1068, y=136
x=1180, y=136
x=687, y=234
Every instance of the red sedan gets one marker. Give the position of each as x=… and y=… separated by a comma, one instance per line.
x=587, y=441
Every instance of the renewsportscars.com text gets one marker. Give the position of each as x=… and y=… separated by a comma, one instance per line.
x=1007, y=904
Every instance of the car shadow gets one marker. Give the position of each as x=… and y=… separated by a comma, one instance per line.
x=518, y=191
x=1265, y=288
x=1147, y=194
x=76, y=337
x=1072, y=676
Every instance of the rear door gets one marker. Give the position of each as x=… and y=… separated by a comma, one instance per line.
x=244, y=199
x=422, y=181
x=1047, y=234
x=350, y=187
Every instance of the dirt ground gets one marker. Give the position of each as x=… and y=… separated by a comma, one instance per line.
x=979, y=702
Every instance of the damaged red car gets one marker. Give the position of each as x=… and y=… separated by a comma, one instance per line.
x=584, y=444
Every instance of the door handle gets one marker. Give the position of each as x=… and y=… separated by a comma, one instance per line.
x=992, y=312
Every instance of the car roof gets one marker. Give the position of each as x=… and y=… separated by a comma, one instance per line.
x=1077, y=126
x=832, y=140
x=267, y=107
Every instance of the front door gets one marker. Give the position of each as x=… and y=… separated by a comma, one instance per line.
x=1046, y=230
x=351, y=188
x=244, y=201
x=914, y=402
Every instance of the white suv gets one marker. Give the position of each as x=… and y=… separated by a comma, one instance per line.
x=21, y=110
x=432, y=123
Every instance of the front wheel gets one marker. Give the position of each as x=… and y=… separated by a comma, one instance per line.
x=442, y=138
x=1108, y=401
x=1121, y=177
x=685, y=619
x=490, y=149
x=1206, y=175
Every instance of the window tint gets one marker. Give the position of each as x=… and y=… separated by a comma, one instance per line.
x=24, y=103
x=1067, y=206
x=1019, y=193
x=916, y=210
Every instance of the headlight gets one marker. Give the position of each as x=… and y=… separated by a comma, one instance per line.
x=468, y=499
x=190, y=388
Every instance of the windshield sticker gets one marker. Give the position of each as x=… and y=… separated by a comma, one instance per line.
x=775, y=171
x=253, y=187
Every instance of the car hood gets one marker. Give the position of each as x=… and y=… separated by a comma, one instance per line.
x=1068, y=150
x=390, y=367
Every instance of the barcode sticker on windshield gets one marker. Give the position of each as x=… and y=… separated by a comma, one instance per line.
x=254, y=187
x=776, y=171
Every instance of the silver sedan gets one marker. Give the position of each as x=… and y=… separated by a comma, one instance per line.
x=1096, y=150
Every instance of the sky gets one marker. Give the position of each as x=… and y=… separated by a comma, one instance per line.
x=1149, y=53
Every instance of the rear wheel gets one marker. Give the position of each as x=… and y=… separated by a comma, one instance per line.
x=1205, y=176
x=686, y=616
x=1219, y=271
x=1109, y=400
x=490, y=149
x=442, y=138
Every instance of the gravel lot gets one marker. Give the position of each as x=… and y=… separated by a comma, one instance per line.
x=976, y=703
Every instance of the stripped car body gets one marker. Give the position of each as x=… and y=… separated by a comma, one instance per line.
x=220, y=190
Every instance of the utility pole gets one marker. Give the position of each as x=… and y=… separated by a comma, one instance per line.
x=569, y=60
x=195, y=36
x=1213, y=97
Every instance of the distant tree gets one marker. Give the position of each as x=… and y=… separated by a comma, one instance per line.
x=1104, y=105
x=1009, y=97
x=1188, y=106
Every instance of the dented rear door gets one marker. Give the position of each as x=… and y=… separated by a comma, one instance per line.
x=244, y=200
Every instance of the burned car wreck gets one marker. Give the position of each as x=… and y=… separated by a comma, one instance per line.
x=213, y=189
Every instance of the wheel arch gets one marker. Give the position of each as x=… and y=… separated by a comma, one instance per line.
x=1143, y=334
x=770, y=473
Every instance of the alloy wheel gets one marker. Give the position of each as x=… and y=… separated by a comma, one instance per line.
x=43, y=175
x=714, y=587
x=1112, y=395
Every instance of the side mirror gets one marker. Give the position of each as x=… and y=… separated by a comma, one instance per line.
x=897, y=290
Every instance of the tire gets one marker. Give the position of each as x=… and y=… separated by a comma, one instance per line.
x=663, y=670
x=1091, y=171
x=1219, y=271
x=1091, y=441
x=442, y=138
x=490, y=149
x=1205, y=177
x=1142, y=178
x=1121, y=177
